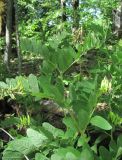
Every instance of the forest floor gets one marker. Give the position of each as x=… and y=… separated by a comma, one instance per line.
x=30, y=65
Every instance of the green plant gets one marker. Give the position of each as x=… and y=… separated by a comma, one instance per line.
x=24, y=122
x=79, y=97
x=85, y=129
x=51, y=143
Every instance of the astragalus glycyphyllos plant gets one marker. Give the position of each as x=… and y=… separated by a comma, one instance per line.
x=76, y=94
x=48, y=142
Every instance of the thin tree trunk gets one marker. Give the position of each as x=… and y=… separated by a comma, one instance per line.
x=63, y=7
x=8, y=36
x=120, y=32
x=17, y=37
x=2, y=11
x=76, y=17
x=117, y=21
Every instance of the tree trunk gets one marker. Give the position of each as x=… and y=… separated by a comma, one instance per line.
x=120, y=31
x=17, y=37
x=118, y=21
x=63, y=7
x=76, y=17
x=8, y=36
x=2, y=10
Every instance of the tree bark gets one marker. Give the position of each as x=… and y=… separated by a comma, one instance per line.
x=117, y=21
x=8, y=35
x=63, y=7
x=2, y=10
x=120, y=31
x=76, y=16
x=17, y=37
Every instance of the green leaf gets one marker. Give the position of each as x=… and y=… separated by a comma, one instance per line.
x=11, y=82
x=65, y=58
x=40, y=156
x=24, y=83
x=36, y=138
x=3, y=85
x=55, y=131
x=83, y=140
x=46, y=132
x=68, y=153
x=18, y=148
x=119, y=141
x=71, y=156
x=47, y=67
x=9, y=122
x=33, y=82
x=100, y=122
x=86, y=154
x=119, y=152
x=71, y=126
x=77, y=105
x=45, y=84
x=113, y=146
x=83, y=119
x=12, y=155
x=105, y=153
x=58, y=96
x=59, y=154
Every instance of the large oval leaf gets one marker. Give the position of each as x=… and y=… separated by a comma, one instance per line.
x=100, y=122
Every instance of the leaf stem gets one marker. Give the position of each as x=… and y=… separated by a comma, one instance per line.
x=7, y=133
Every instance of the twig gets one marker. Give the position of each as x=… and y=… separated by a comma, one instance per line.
x=7, y=133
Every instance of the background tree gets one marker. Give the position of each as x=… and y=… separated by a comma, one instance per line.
x=17, y=37
x=2, y=10
x=117, y=20
x=8, y=36
x=63, y=7
x=76, y=17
